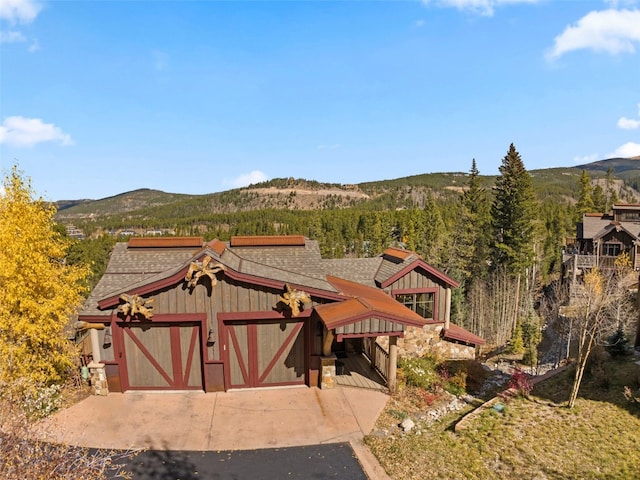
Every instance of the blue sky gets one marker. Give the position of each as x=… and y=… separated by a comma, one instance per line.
x=102, y=97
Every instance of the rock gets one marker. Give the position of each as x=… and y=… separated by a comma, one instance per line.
x=407, y=424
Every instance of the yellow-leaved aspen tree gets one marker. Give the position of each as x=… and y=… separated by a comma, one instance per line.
x=38, y=291
x=603, y=304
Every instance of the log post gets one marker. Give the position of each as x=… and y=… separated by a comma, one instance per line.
x=372, y=351
x=393, y=363
x=327, y=342
x=447, y=308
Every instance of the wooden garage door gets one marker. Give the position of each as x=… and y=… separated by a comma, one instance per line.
x=264, y=353
x=163, y=356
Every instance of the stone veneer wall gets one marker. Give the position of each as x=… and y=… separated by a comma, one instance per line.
x=419, y=341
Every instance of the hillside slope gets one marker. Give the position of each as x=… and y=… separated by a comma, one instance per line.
x=559, y=184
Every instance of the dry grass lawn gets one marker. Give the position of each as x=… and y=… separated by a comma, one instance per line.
x=535, y=438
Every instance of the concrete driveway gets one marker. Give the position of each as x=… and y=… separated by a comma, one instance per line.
x=236, y=420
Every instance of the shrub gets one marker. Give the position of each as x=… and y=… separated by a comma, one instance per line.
x=472, y=371
x=454, y=383
x=517, y=343
x=420, y=371
x=33, y=400
x=631, y=396
x=24, y=457
x=598, y=368
x=618, y=344
x=520, y=382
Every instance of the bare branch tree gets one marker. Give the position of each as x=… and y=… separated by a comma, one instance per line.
x=600, y=307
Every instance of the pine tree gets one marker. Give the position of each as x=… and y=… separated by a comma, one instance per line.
x=38, y=291
x=474, y=226
x=599, y=200
x=612, y=194
x=585, y=196
x=434, y=235
x=513, y=216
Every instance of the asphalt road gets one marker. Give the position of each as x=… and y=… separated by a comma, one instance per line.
x=315, y=462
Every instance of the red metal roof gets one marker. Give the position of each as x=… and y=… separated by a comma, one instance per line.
x=365, y=302
x=165, y=242
x=268, y=241
x=217, y=246
x=455, y=332
x=353, y=289
x=398, y=253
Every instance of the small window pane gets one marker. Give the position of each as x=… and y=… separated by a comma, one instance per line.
x=407, y=300
x=424, y=304
x=421, y=303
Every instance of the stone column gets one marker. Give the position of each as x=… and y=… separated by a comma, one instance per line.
x=328, y=372
x=393, y=363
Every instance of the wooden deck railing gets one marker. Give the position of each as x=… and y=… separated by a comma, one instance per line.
x=381, y=357
x=588, y=261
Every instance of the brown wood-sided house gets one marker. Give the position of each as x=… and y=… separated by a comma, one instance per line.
x=601, y=239
x=175, y=313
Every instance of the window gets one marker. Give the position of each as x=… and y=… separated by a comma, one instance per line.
x=611, y=249
x=422, y=303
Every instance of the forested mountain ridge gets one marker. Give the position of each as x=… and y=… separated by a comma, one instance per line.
x=490, y=233
x=300, y=194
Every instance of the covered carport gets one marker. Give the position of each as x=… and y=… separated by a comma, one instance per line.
x=366, y=313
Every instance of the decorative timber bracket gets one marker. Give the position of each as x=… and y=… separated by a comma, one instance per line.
x=294, y=299
x=197, y=270
x=135, y=305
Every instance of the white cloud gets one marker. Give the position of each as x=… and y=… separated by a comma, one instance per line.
x=610, y=31
x=629, y=123
x=586, y=158
x=255, y=176
x=19, y=131
x=480, y=7
x=419, y=23
x=628, y=150
x=12, y=36
x=19, y=11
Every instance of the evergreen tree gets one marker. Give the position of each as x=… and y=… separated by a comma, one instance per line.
x=531, y=338
x=513, y=216
x=585, y=196
x=473, y=229
x=599, y=200
x=612, y=194
x=434, y=234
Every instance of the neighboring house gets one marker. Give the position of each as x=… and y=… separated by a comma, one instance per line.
x=601, y=238
x=175, y=313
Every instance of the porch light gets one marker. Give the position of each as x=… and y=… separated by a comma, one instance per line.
x=106, y=342
x=211, y=338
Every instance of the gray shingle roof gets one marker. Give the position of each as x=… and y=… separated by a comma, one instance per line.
x=591, y=225
x=304, y=260
x=389, y=267
x=131, y=268
x=360, y=270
